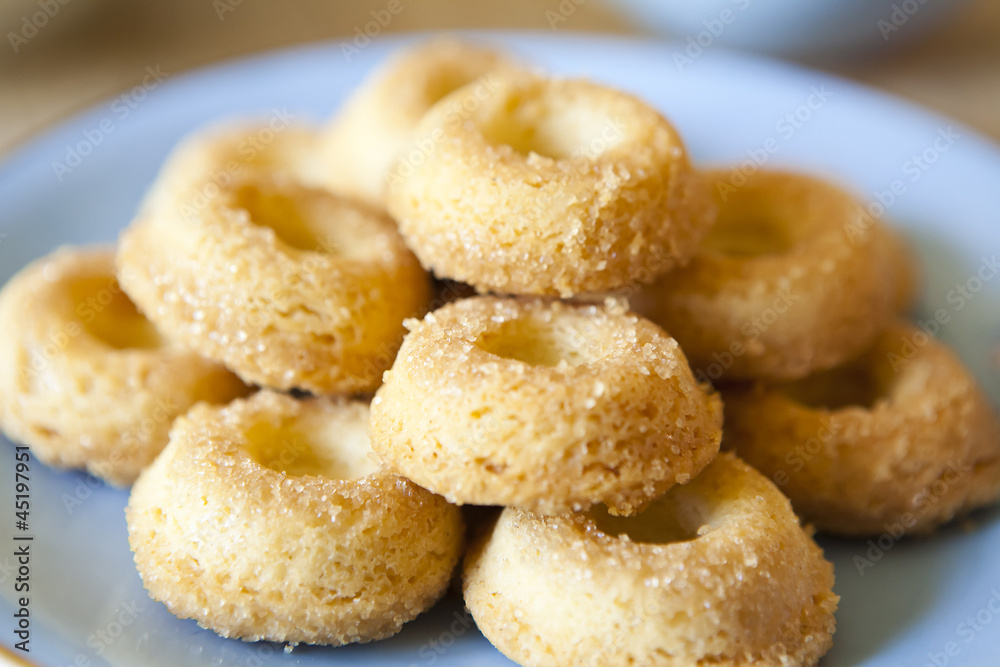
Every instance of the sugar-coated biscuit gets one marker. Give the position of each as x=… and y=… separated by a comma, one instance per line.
x=899, y=440
x=716, y=572
x=288, y=285
x=794, y=277
x=85, y=380
x=548, y=187
x=269, y=519
x=363, y=141
x=545, y=405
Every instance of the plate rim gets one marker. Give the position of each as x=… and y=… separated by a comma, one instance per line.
x=28, y=149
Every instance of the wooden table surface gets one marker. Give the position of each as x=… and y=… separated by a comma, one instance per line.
x=92, y=49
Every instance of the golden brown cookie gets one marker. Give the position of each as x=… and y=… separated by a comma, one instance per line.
x=270, y=519
x=543, y=405
x=85, y=380
x=716, y=572
x=898, y=441
x=548, y=186
x=785, y=284
x=364, y=139
x=290, y=286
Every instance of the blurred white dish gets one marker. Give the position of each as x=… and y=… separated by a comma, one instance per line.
x=790, y=28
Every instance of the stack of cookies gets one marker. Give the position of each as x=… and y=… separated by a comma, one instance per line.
x=605, y=319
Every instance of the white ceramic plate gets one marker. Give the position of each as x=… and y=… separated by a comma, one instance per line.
x=909, y=607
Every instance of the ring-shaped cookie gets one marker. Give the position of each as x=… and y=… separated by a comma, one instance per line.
x=899, y=440
x=209, y=164
x=794, y=277
x=269, y=519
x=289, y=286
x=548, y=187
x=85, y=380
x=717, y=572
x=365, y=137
x=543, y=405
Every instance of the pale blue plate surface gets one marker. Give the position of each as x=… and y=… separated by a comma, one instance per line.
x=907, y=609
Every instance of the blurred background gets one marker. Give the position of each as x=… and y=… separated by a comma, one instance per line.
x=61, y=56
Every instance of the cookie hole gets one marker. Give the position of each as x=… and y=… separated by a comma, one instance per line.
x=674, y=517
x=445, y=80
x=738, y=235
x=533, y=341
x=851, y=385
x=533, y=121
x=311, y=220
x=313, y=444
x=767, y=215
x=108, y=315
